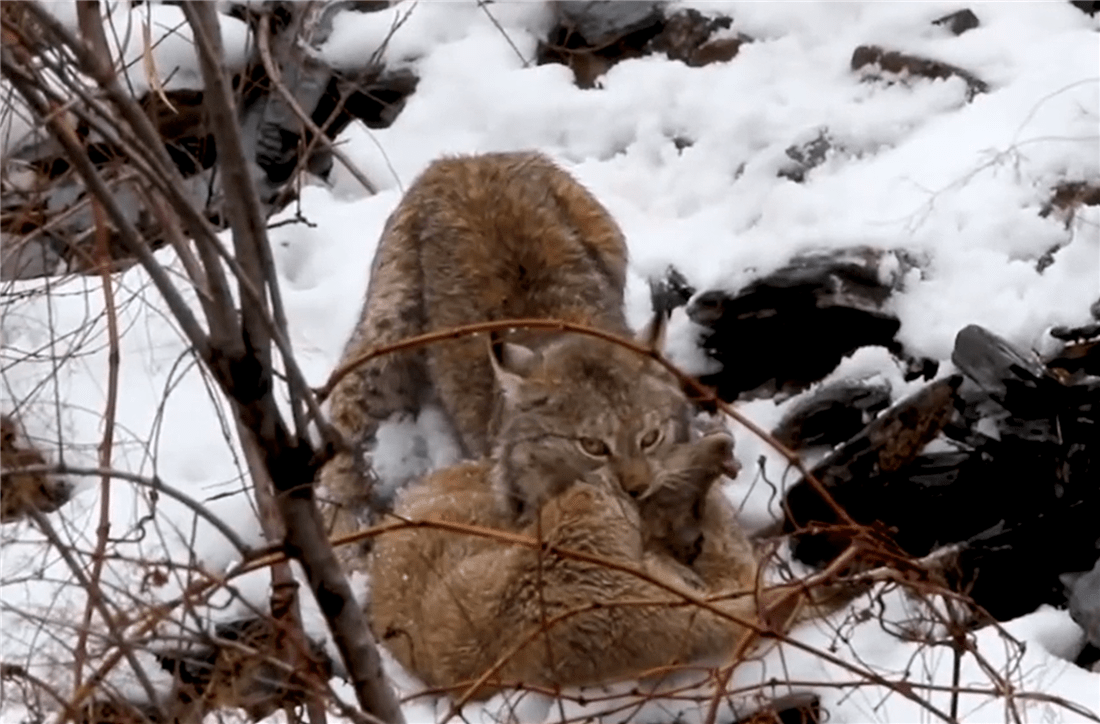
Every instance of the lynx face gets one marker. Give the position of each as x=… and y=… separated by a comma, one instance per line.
x=582, y=409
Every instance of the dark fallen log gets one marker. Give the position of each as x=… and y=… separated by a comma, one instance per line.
x=1018, y=494
x=799, y=322
x=860, y=473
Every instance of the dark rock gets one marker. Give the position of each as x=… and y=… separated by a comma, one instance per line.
x=1078, y=358
x=717, y=51
x=958, y=22
x=806, y=156
x=1021, y=502
x=591, y=37
x=368, y=6
x=1083, y=597
x=798, y=322
x=832, y=414
x=900, y=64
x=1090, y=7
x=1016, y=382
x=1076, y=334
x=682, y=142
x=1067, y=197
x=375, y=97
x=1089, y=658
x=685, y=37
x=568, y=45
x=603, y=22
x=799, y=708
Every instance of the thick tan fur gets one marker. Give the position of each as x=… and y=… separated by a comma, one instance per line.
x=22, y=491
x=449, y=605
x=583, y=407
x=475, y=239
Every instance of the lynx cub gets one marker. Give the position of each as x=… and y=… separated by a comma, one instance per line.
x=475, y=238
x=449, y=606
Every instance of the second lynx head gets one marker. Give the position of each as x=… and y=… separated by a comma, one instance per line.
x=580, y=408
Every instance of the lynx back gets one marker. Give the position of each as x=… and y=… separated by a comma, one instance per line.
x=475, y=239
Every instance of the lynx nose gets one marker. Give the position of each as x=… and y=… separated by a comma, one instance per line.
x=634, y=477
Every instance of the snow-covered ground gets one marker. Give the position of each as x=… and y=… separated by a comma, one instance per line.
x=957, y=184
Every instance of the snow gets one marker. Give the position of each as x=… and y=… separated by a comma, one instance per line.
x=915, y=166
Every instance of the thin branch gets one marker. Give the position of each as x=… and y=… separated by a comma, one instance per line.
x=106, y=446
x=264, y=44
x=127, y=235
x=154, y=483
x=242, y=204
x=484, y=5
x=95, y=595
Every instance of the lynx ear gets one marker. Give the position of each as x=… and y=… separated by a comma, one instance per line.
x=512, y=363
x=653, y=334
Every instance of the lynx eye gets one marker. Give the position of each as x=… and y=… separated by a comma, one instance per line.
x=594, y=447
x=650, y=439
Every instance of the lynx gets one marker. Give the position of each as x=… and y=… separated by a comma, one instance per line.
x=583, y=406
x=449, y=606
x=475, y=239
x=593, y=453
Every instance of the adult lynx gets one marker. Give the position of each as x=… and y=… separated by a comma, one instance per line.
x=450, y=606
x=593, y=453
x=476, y=238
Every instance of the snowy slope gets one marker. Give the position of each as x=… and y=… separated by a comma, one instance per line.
x=957, y=184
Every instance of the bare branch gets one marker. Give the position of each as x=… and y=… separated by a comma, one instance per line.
x=264, y=43
x=127, y=234
x=107, y=444
x=97, y=600
x=156, y=484
x=288, y=460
